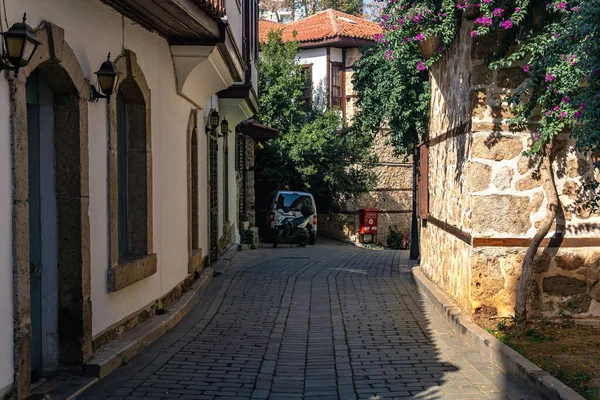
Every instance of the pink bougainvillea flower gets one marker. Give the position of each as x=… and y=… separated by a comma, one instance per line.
x=421, y=66
x=527, y=68
x=566, y=99
x=556, y=108
x=498, y=12
x=507, y=24
x=561, y=5
x=473, y=33
x=550, y=77
x=484, y=21
x=419, y=38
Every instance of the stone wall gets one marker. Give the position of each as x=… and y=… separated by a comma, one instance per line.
x=486, y=199
x=445, y=259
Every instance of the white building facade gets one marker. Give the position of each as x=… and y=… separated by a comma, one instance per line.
x=106, y=207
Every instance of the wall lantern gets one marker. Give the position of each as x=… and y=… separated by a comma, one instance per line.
x=213, y=120
x=108, y=77
x=224, y=127
x=20, y=43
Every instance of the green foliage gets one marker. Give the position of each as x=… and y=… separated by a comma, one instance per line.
x=353, y=7
x=280, y=84
x=313, y=151
x=246, y=236
x=393, y=94
x=579, y=381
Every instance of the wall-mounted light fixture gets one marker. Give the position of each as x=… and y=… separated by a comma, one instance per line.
x=224, y=127
x=213, y=120
x=108, y=78
x=20, y=44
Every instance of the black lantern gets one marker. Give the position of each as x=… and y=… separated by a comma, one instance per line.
x=224, y=127
x=20, y=45
x=213, y=120
x=108, y=78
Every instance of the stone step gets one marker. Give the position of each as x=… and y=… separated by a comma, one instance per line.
x=117, y=352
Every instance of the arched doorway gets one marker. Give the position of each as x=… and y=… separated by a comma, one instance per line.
x=51, y=233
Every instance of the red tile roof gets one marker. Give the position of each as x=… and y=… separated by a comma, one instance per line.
x=328, y=24
x=264, y=27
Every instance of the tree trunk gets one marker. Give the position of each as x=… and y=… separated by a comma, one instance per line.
x=547, y=176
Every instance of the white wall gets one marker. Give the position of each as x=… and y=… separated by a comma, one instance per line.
x=318, y=58
x=336, y=55
x=92, y=30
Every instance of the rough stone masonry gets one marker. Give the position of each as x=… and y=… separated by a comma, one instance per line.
x=486, y=199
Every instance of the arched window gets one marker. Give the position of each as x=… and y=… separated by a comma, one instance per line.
x=130, y=179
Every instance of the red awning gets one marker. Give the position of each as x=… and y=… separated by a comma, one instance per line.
x=257, y=131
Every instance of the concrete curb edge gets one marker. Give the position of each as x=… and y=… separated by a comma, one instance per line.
x=514, y=364
x=114, y=354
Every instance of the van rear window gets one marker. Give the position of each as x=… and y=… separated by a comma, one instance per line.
x=293, y=201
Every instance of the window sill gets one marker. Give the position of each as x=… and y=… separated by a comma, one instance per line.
x=131, y=269
x=195, y=260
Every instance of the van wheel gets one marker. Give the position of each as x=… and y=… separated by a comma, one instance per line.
x=312, y=239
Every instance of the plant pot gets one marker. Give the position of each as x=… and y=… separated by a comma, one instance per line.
x=429, y=46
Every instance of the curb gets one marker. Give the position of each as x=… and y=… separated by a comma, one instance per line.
x=514, y=364
x=221, y=265
x=114, y=354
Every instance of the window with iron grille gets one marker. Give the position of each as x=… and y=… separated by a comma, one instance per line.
x=336, y=85
x=307, y=88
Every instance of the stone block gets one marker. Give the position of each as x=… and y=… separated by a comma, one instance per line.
x=510, y=78
x=503, y=178
x=577, y=167
x=536, y=202
x=501, y=213
x=569, y=261
x=571, y=189
x=595, y=292
x=478, y=176
x=524, y=164
x=478, y=105
x=529, y=182
x=486, y=279
x=563, y=286
x=482, y=74
x=485, y=45
x=496, y=148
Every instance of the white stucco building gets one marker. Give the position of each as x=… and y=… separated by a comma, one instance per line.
x=108, y=207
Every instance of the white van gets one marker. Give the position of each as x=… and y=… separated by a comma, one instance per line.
x=285, y=203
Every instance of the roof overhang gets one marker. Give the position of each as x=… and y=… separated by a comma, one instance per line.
x=190, y=22
x=340, y=41
x=256, y=131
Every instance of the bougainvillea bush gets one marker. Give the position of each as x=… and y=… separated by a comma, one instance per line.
x=558, y=41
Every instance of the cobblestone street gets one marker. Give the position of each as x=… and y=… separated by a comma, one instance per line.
x=325, y=322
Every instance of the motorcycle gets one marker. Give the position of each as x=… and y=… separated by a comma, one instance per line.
x=290, y=229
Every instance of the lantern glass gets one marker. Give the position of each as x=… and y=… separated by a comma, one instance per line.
x=14, y=47
x=224, y=127
x=28, y=51
x=107, y=83
x=214, y=119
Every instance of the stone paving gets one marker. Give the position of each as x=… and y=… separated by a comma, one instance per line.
x=324, y=322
